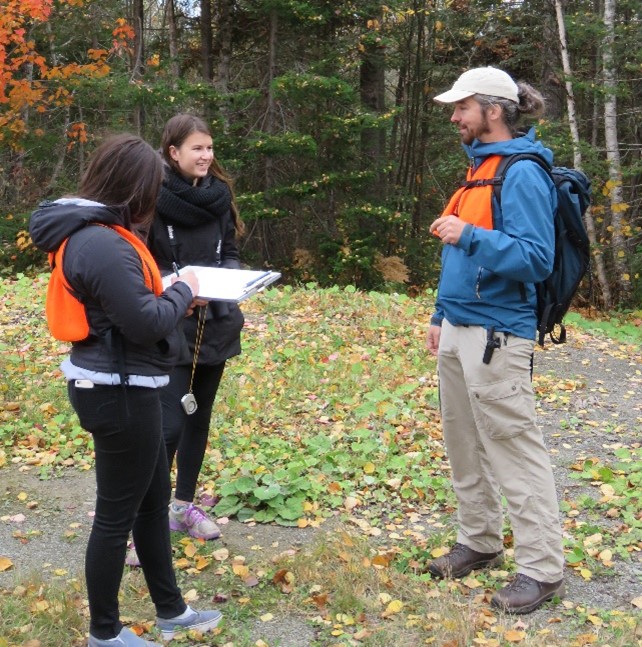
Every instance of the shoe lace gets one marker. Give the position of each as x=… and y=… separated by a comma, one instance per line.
x=456, y=549
x=195, y=515
x=520, y=582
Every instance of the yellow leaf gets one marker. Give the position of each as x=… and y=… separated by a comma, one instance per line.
x=515, y=636
x=182, y=563
x=472, y=583
x=593, y=540
x=607, y=490
x=362, y=634
x=221, y=554
x=191, y=595
x=438, y=552
x=350, y=502
x=241, y=570
x=369, y=468
x=22, y=496
x=5, y=564
x=41, y=605
x=585, y=639
x=586, y=574
x=384, y=598
x=394, y=607
x=637, y=602
x=266, y=617
x=595, y=620
x=190, y=550
x=380, y=561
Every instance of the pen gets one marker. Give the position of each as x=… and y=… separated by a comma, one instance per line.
x=256, y=280
x=175, y=268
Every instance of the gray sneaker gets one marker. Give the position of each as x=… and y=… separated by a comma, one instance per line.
x=131, y=557
x=126, y=638
x=190, y=620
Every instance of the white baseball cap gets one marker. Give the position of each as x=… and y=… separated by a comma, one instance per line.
x=481, y=80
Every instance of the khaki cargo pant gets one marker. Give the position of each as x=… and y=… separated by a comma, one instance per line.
x=493, y=444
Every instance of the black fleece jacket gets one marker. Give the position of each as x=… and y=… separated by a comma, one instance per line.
x=106, y=271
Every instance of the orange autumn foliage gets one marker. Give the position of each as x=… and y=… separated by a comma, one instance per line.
x=29, y=81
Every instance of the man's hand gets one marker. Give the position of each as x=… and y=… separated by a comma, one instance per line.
x=432, y=340
x=448, y=228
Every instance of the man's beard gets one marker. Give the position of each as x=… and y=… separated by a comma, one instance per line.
x=470, y=134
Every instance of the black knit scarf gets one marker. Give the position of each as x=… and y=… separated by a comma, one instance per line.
x=185, y=205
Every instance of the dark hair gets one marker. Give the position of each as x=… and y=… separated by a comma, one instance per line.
x=124, y=171
x=531, y=102
x=176, y=131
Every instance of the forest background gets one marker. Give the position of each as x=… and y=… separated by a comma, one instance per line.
x=322, y=112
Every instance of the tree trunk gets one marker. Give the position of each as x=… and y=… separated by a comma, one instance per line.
x=372, y=92
x=206, y=40
x=598, y=259
x=269, y=126
x=138, y=58
x=62, y=153
x=139, y=46
x=223, y=45
x=618, y=207
x=172, y=30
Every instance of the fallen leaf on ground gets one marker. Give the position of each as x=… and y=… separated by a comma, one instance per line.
x=5, y=564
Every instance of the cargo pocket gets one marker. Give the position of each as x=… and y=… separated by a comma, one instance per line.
x=502, y=409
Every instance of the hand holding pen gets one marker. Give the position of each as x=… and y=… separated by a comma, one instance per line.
x=187, y=277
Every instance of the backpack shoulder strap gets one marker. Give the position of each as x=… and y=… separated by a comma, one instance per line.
x=507, y=162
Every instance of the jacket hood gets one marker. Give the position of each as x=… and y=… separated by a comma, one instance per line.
x=523, y=143
x=53, y=222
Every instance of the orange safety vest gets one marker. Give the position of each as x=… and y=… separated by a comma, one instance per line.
x=66, y=314
x=474, y=204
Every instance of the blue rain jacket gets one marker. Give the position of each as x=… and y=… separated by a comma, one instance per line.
x=488, y=277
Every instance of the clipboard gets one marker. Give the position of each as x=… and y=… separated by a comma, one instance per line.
x=224, y=284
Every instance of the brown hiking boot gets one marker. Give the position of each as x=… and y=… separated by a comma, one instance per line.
x=461, y=560
x=524, y=594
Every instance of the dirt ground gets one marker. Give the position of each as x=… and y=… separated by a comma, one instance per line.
x=44, y=524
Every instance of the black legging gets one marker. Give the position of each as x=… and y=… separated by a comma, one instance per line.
x=186, y=436
x=132, y=494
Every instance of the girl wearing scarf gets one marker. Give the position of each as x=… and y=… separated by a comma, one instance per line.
x=197, y=223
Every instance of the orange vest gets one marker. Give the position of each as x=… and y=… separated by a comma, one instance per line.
x=66, y=314
x=475, y=204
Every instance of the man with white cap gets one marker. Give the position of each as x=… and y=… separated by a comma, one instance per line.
x=483, y=332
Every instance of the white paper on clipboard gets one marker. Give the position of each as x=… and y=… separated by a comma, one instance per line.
x=223, y=284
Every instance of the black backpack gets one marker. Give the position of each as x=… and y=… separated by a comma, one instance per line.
x=572, y=247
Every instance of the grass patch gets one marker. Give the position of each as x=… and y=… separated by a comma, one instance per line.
x=625, y=328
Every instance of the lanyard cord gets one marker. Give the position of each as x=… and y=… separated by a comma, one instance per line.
x=197, y=346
